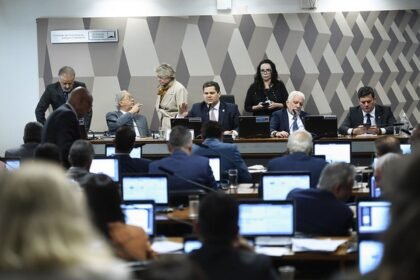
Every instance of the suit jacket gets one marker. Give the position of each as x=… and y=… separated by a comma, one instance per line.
x=220, y=262
x=24, y=151
x=77, y=173
x=228, y=114
x=116, y=119
x=53, y=95
x=319, y=212
x=384, y=118
x=62, y=129
x=132, y=165
x=195, y=168
x=279, y=120
x=230, y=158
x=299, y=161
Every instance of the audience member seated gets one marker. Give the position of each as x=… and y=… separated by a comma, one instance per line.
x=80, y=158
x=387, y=144
x=128, y=113
x=45, y=232
x=299, y=146
x=230, y=157
x=124, y=141
x=322, y=211
x=176, y=267
x=221, y=257
x=183, y=164
x=415, y=139
x=226, y=114
x=384, y=165
x=129, y=242
x=31, y=139
x=368, y=117
x=289, y=119
x=47, y=152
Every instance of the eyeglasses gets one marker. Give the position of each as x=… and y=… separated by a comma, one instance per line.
x=265, y=70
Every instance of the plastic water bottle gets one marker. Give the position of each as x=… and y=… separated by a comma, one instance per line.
x=404, y=121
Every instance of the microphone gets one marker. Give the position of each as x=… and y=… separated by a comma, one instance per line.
x=172, y=173
x=406, y=131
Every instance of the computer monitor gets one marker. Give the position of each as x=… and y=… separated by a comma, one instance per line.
x=214, y=162
x=321, y=125
x=11, y=163
x=370, y=255
x=266, y=218
x=405, y=148
x=254, y=127
x=108, y=166
x=374, y=190
x=191, y=123
x=334, y=151
x=373, y=217
x=145, y=187
x=277, y=185
x=140, y=213
x=136, y=152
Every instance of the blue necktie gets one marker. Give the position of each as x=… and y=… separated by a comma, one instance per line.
x=66, y=95
x=295, y=125
x=368, y=121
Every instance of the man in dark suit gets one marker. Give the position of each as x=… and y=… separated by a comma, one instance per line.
x=299, y=146
x=31, y=139
x=62, y=126
x=124, y=142
x=128, y=114
x=368, y=117
x=289, y=119
x=226, y=114
x=183, y=164
x=56, y=94
x=230, y=157
x=323, y=211
x=222, y=256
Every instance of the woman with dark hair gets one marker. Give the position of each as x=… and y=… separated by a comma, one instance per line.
x=267, y=94
x=129, y=242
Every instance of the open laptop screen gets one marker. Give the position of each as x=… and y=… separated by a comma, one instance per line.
x=370, y=255
x=135, y=152
x=405, y=148
x=145, y=187
x=11, y=163
x=108, y=166
x=334, y=151
x=214, y=162
x=372, y=216
x=266, y=218
x=254, y=126
x=276, y=186
x=141, y=214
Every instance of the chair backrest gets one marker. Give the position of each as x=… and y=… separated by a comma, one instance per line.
x=228, y=98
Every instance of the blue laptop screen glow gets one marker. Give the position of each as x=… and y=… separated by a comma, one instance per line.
x=141, y=215
x=278, y=186
x=334, y=152
x=405, y=148
x=12, y=164
x=145, y=188
x=215, y=167
x=373, y=216
x=108, y=166
x=135, y=152
x=370, y=255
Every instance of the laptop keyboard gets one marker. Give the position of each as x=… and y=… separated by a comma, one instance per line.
x=273, y=241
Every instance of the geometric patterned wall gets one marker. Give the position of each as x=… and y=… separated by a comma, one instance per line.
x=327, y=56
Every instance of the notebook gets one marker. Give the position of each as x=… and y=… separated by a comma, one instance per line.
x=254, y=126
x=321, y=126
x=108, y=166
x=334, y=151
x=277, y=185
x=145, y=187
x=11, y=163
x=373, y=216
x=140, y=213
x=215, y=166
x=370, y=255
x=136, y=152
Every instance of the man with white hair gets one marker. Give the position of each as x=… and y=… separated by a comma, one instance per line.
x=299, y=146
x=288, y=119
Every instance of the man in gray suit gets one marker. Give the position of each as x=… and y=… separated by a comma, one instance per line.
x=128, y=114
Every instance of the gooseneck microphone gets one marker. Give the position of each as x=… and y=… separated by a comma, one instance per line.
x=172, y=173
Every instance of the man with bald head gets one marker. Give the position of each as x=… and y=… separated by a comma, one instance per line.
x=62, y=126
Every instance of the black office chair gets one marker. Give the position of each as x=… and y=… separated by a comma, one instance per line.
x=228, y=98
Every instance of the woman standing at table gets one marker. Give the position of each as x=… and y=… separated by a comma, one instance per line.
x=267, y=94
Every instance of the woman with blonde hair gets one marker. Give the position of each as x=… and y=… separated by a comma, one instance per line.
x=45, y=231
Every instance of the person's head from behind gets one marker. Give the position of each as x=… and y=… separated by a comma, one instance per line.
x=387, y=144
x=218, y=219
x=337, y=178
x=180, y=138
x=124, y=101
x=300, y=141
x=415, y=139
x=173, y=268
x=266, y=71
x=383, y=169
x=81, y=100
x=295, y=102
x=44, y=222
x=81, y=154
x=367, y=99
x=212, y=129
x=32, y=132
x=48, y=152
x=104, y=200
x=66, y=76
x=125, y=137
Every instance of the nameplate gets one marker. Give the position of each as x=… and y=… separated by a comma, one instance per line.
x=84, y=36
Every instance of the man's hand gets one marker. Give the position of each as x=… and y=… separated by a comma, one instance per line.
x=281, y=134
x=359, y=130
x=183, y=110
x=136, y=108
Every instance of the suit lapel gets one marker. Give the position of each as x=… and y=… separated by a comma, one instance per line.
x=378, y=116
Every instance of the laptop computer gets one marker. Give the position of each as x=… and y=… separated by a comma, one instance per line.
x=146, y=187
x=215, y=166
x=277, y=185
x=321, y=125
x=11, y=163
x=140, y=213
x=405, y=148
x=370, y=254
x=191, y=123
x=266, y=220
x=254, y=127
x=136, y=152
x=334, y=151
x=191, y=243
x=108, y=166
x=373, y=217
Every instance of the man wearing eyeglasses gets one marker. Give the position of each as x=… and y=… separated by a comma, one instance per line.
x=56, y=94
